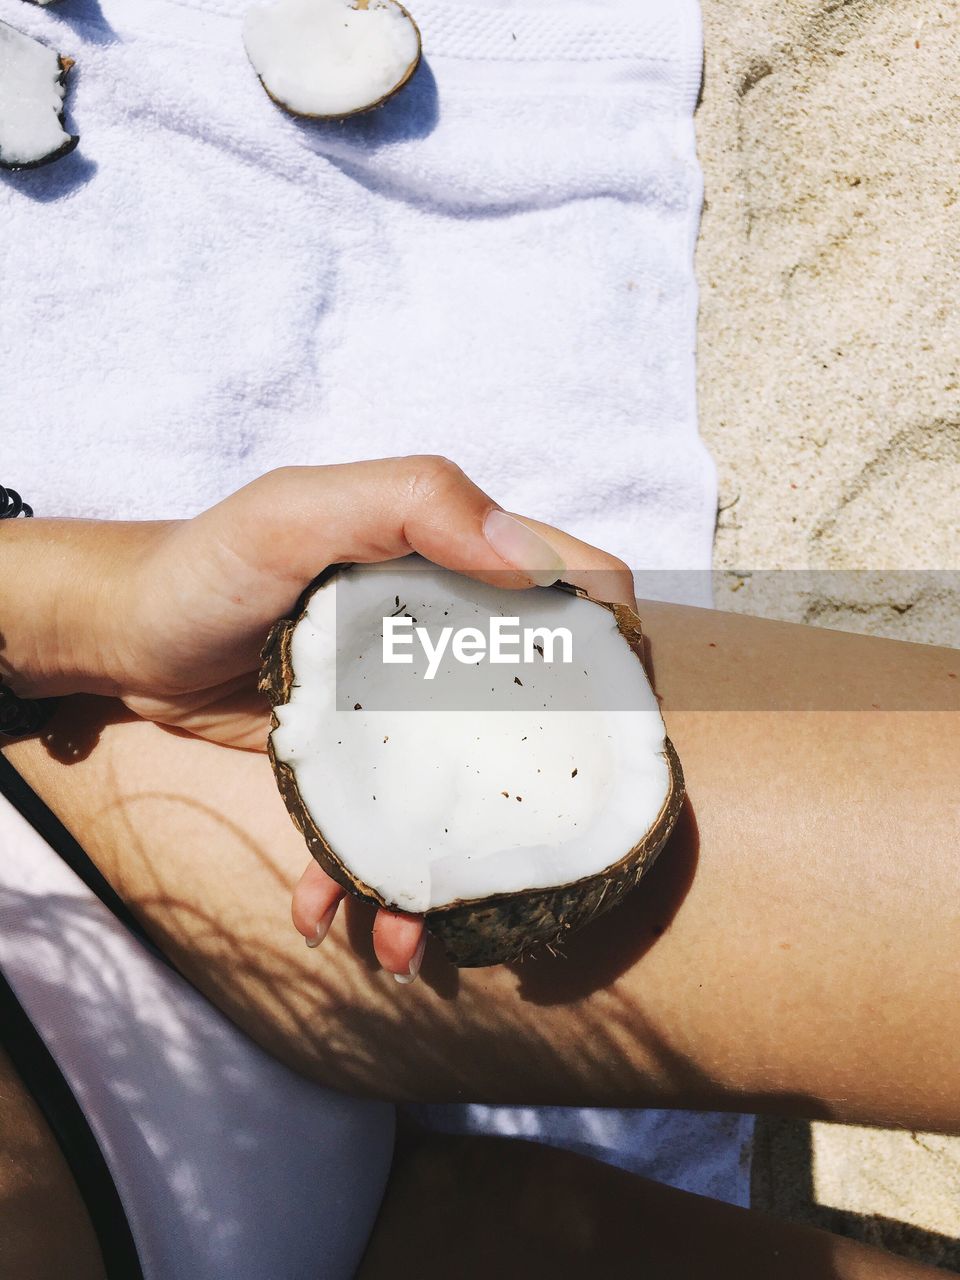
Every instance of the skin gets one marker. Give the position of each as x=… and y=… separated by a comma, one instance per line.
x=602, y=1222
x=45, y=1233
x=795, y=949
x=170, y=617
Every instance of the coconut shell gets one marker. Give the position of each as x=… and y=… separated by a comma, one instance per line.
x=69, y=142
x=496, y=929
x=370, y=106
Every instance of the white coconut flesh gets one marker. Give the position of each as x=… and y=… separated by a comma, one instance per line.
x=556, y=779
x=331, y=58
x=31, y=101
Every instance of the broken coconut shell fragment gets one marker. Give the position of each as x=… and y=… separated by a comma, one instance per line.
x=31, y=102
x=327, y=59
x=508, y=811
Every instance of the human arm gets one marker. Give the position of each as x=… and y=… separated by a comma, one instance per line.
x=169, y=617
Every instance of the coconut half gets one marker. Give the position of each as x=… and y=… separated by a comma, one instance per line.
x=508, y=802
x=327, y=59
x=31, y=102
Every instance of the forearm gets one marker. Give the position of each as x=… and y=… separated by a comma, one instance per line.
x=64, y=592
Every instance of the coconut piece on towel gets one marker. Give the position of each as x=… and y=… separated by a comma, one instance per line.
x=509, y=800
x=331, y=58
x=31, y=101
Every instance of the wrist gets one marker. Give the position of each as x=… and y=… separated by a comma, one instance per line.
x=68, y=592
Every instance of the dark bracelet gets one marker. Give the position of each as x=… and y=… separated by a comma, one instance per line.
x=12, y=505
x=20, y=716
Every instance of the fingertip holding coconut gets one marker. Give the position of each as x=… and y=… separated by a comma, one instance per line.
x=32, y=90
x=509, y=804
x=328, y=59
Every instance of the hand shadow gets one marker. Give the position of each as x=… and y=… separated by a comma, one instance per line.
x=76, y=726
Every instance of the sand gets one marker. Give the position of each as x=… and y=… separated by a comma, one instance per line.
x=828, y=265
x=829, y=346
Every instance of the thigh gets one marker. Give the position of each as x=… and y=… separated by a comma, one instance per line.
x=45, y=1232
x=476, y=1207
x=797, y=947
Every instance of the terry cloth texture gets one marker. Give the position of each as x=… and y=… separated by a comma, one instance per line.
x=496, y=266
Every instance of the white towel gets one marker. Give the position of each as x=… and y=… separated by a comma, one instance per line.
x=496, y=266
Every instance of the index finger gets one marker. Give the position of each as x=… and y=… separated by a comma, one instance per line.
x=249, y=558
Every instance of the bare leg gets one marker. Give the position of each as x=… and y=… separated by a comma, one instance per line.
x=476, y=1207
x=555, y=1214
x=797, y=948
x=45, y=1233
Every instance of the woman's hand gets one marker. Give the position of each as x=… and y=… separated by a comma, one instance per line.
x=170, y=617
x=209, y=589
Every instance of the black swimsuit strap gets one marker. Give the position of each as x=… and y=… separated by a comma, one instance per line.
x=46, y=823
x=38, y=1069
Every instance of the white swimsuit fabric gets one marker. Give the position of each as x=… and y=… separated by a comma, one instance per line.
x=229, y=1166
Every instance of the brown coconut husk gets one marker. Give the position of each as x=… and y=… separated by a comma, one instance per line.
x=500, y=928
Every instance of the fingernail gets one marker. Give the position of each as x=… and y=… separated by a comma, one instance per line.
x=414, y=969
x=322, y=927
x=524, y=549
